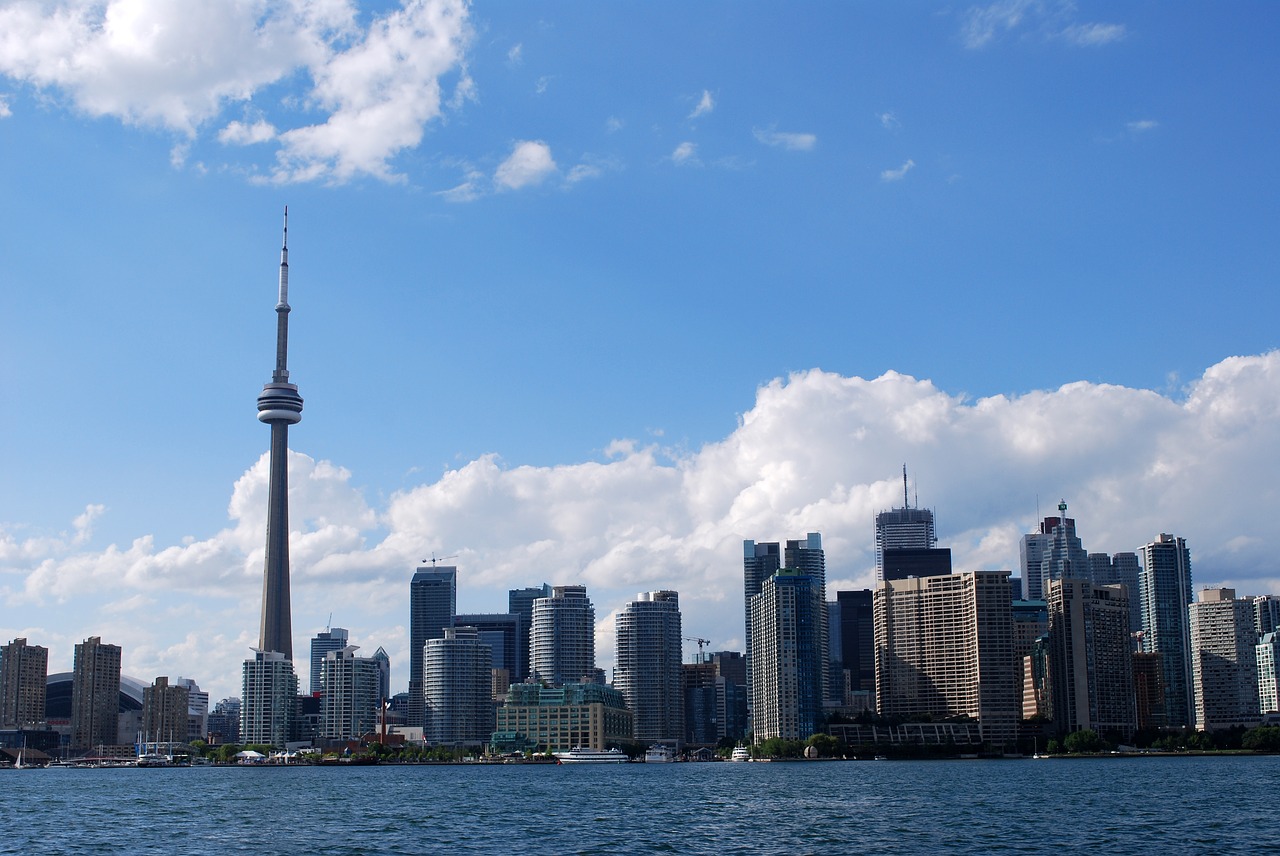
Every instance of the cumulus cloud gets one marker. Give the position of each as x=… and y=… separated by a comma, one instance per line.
x=816, y=452
x=529, y=163
x=785, y=140
x=376, y=82
x=5, y=111
x=685, y=153
x=705, y=105
x=983, y=25
x=899, y=173
x=240, y=134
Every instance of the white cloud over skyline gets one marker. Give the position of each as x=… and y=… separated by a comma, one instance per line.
x=817, y=451
x=529, y=163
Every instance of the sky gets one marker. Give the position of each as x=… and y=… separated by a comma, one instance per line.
x=589, y=293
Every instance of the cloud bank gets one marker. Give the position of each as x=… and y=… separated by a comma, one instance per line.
x=374, y=80
x=817, y=451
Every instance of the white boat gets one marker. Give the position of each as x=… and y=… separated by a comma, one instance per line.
x=659, y=754
x=741, y=753
x=582, y=755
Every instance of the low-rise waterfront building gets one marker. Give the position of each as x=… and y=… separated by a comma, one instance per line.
x=554, y=719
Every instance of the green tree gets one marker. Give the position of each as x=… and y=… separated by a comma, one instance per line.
x=1084, y=740
x=827, y=746
x=1265, y=738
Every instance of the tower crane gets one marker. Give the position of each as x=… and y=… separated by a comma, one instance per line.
x=434, y=559
x=701, y=643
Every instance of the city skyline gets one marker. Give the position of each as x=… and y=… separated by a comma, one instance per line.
x=523, y=341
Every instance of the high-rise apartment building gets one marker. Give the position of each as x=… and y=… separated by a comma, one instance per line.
x=562, y=637
x=268, y=706
x=1267, y=655
x=944, y=647
x=456, y=685
x=433, y=599
x=1090, y=658
x=520, y=603
x=1121, y=569
x=1165, y=589
x=24, y=670
x=788, y=678
x=647, y=667
x=1266, y=614
x=165, y=711
x=759, y=562
x=197, y=709
x=1224, y=660
x=329, y=639
x=95, y=694
x=350, y=703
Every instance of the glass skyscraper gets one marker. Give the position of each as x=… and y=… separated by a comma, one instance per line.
x=1165, y=588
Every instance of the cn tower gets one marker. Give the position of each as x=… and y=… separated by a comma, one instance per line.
x=279, y=406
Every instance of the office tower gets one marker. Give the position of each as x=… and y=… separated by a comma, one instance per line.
x=1224, y=660
x=807, y=556
x=224, y=722
x=715, y=697
x=698, y=683
x=1037, y=683
x=562, y=637
x=1268, y=658
x=1165, y=589
x=456, y=685
x=759, y=562
x=433, y=598
x=1266, y=614
x=944, y=647
x=1030, y=550
x=857, y=639
x=165, y=709
x=501, y=632
x=24, y=671
x=268, y=706
x=280, y=406
x=384, y=674
x=95, y=694
x=1122, y=569
x=1055, y=552
x=329, y=639
x=901, y=563
x=904, y=528
x=647, y=667
x=788, y=673
x=1090, y=658
x=520, y=602
x=350, y=703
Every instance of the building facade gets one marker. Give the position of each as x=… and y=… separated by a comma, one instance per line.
x=95, y=694
x=456, y=684
x=1090, y=658
x=788, y=676
x=165, y=712
x=268, y=701
x=1165, y=590
x=647, y=666
x=562, y=637
x=904, y=528
x=1267, y=654
x=433, y=602
x=350, y=703
x=1224, y=660
x=520, y=603
x=944, y=648
x=329, y=639
x=555, y=719
x=24, y=671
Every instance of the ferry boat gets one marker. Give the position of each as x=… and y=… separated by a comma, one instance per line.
x=583, y=755
x=659, y=754
x=740, y=753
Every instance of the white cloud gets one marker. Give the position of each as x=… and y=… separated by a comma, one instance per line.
x=983, y=23
x=540, y=86
x=470, y=189
x=177, y=66
x=817, y=451
x=613, y=124
x=583, y=172
x=1051, y=19
x=528, y=164
x=889, y=121
x=5, y=112
x=899, y=173
x=1090, y=35
x=240, y=134
x=705, y=105
x=685, y=153
x=786, y=140
x=515, y=56
x=1142, y=125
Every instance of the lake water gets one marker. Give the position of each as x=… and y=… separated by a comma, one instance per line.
x=1140, y=805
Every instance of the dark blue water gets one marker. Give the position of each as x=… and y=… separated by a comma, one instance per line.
x=1146, y=805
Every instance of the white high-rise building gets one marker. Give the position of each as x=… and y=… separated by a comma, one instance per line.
x=562, y=637
x=1224, y=660
x=268, y=700
x=456, y=686
x=788, y=678
x=648, y=666
x=1268, y=657
x=349, y=706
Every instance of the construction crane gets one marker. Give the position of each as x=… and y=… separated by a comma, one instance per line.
x=701, y=643
x=434, y=559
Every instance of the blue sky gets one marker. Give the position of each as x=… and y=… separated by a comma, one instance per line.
x=592, y=292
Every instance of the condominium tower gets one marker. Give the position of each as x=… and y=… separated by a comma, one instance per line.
x=95, y=694
x=456, y=688
x=433, y=599
x=1165, y=588
x=329, y=639
x=1224, y=660
x=24, y=670
x=1090, y=658
x=562, y=637
x=788, y=675
x=647, y=667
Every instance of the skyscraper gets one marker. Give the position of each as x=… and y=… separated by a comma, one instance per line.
x=279, y=406
x=944, y=647
x=268, y=706
x=1090, y=656
x=329, y=639
x=857, y=639
x=1165, y=588
x=520, y=602
x=759, y=562
x=456, y=688
x=1224, y=660
x=562, y=639
x=384, y=673
x=433, y=601
x=1051, y=554
x=788, y=676
x=904, y=528
x=349, y=706
x=647, y=670
x=1268, y=659
x=165, y=710
x=24, y=670
x=95, y=694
